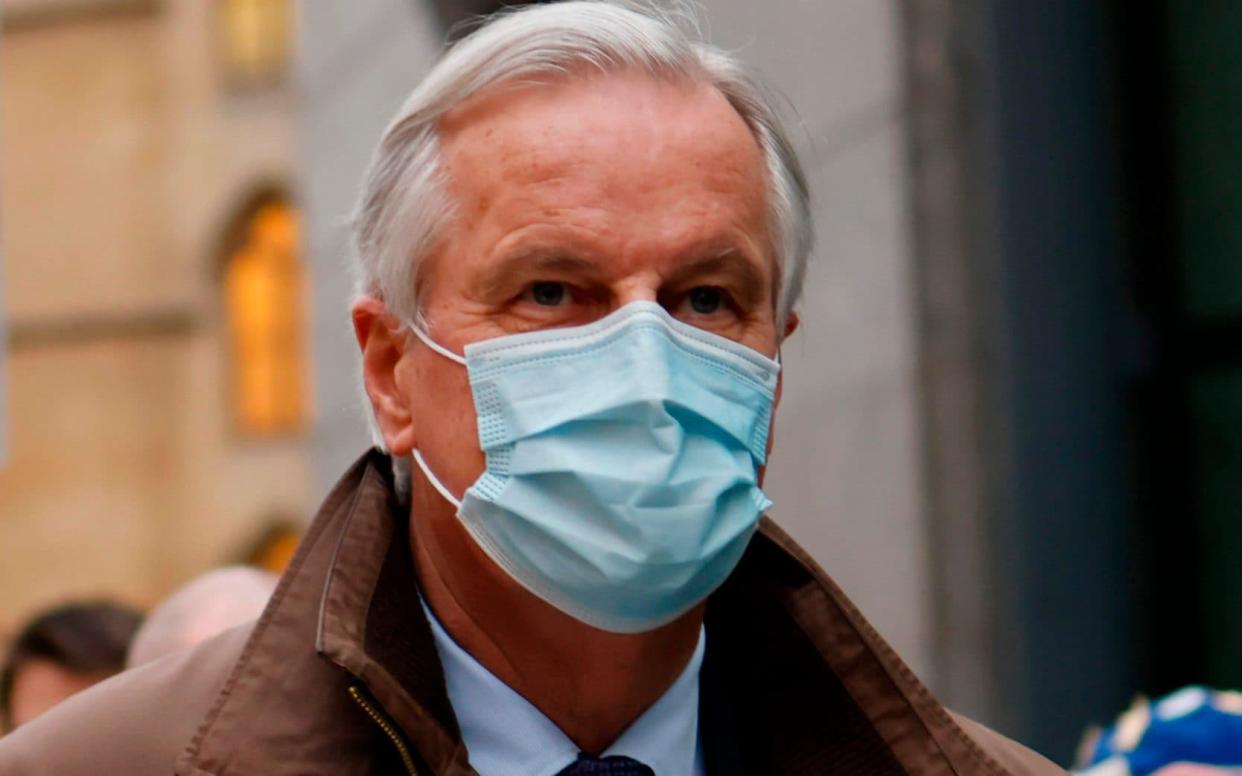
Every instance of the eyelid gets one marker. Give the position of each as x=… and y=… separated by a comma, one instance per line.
x=681, y=300
x=722, y=290
x=528, y=290
x=575, y=294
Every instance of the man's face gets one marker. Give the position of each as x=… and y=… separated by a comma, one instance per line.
x=40, y=684
x=573, y=200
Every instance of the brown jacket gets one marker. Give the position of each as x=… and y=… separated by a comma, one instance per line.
x=340, y=676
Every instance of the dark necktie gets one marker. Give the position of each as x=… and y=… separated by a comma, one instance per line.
x=586, y=765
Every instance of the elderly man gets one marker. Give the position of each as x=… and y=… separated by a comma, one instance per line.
x=579, y=248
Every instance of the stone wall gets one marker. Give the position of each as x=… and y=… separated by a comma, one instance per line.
x=124, y=155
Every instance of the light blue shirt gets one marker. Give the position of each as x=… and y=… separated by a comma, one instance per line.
x=507, y=736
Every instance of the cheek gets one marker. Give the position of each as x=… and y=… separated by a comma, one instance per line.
x=760, y=336
x=445, y=426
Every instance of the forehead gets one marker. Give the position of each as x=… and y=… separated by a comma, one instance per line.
x=625, y=104
x=668, y=151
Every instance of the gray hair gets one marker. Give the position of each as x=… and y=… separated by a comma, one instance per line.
x=404, y=204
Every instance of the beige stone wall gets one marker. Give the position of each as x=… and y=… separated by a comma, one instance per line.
x=123, y=154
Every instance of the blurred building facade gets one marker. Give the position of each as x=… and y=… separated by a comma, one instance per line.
x=152, y=294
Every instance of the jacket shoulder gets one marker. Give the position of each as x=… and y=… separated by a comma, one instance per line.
x=1010, y=755
x=136, y=723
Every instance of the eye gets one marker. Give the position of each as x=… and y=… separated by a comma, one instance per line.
x=705, y=300
x=547, y=293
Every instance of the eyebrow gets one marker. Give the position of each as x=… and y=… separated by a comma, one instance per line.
x=749, y=280
x=732, y=262
x=534, y=261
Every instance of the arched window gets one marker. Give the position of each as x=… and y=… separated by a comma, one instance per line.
x=263, y=288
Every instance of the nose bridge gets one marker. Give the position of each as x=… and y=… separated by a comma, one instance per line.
x=639, y=287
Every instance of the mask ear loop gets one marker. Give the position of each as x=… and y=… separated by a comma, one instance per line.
x=436, y=346
x=435, y=481
x=418, y=457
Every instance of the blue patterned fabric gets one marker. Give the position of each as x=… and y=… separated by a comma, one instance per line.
x=1193, y=725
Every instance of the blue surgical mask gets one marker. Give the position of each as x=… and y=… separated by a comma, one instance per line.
x=621, y=484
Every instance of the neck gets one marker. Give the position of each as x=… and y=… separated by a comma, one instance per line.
x=591, y=683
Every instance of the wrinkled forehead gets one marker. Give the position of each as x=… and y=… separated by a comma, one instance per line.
x=624, y=137
x=608, y=107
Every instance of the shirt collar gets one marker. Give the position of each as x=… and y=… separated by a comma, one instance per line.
x=505, y=734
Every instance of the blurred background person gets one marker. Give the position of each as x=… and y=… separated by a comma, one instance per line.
x=60, y=653
x=207, y=605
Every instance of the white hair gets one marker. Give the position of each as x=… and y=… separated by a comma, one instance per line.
x=203, y=607
x=404, y=204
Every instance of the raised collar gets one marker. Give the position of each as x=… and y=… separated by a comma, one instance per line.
x=371, y=625
x=803, y=680
x=344, y=620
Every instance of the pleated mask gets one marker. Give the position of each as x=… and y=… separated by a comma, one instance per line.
x=622, y=460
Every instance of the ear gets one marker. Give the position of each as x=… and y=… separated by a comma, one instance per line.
x=791, y=325
x=382, y=340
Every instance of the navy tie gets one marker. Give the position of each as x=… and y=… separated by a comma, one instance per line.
x=587, y=765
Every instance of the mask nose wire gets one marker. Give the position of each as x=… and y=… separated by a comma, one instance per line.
x=436, y=346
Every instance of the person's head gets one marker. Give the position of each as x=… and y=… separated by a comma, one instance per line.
x=558, y=164
x=62, y=652
x=202, y=608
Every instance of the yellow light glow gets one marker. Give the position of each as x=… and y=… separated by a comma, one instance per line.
x=255, y=38
x=263, y=285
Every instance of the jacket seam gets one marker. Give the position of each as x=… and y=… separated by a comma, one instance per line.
x=330, y=576
x=194, y=749
x=919, y=696
x=924, y=698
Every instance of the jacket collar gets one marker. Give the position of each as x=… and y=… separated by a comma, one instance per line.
x=344, y=619
x=372, y=625
x=791, y=663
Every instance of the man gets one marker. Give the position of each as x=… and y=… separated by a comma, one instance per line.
x=206, y=605
x=60, y=653
x=579, y=247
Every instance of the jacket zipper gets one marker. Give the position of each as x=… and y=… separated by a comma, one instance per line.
x=380, y=720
